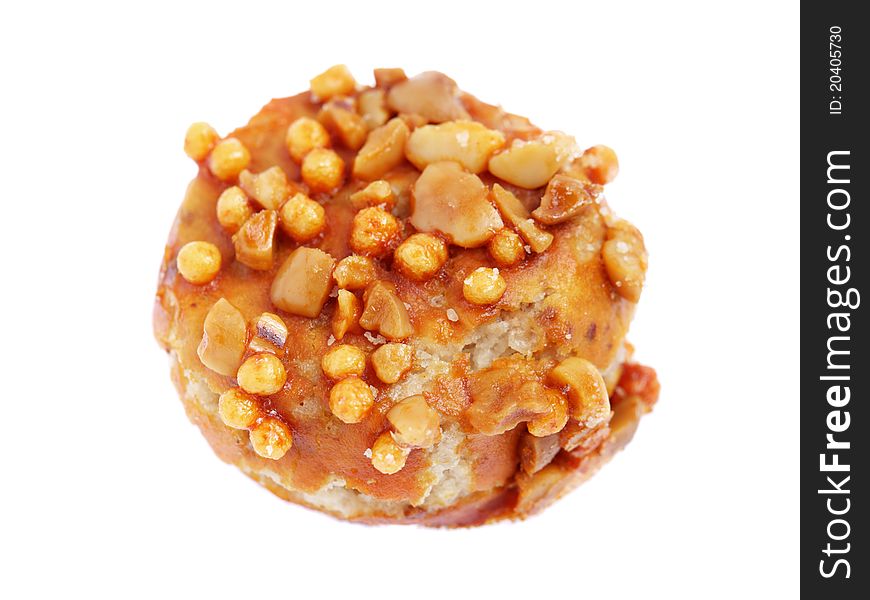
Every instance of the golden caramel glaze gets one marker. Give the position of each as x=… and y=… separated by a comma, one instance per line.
x=578, y=312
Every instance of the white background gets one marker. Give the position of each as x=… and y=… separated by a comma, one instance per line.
x=108, y=491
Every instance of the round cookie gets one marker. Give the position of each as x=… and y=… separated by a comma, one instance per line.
x=398, y=303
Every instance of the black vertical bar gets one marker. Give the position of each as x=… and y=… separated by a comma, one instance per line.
x=835, y=363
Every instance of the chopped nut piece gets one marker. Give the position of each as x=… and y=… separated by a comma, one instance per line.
x=322, y=170
x=255, y=241
x=385, y=312
x=553, y=421
x=537, y=239
x=354, y=272
x=342, y=360
x=262, y=374
x=347, y=312
x=467, y=142
x=447, y=199
x=374, y=232
x=516, y=214
x=233, y=209
x=372, y=106
x=420, y=256
x=625, y=260
x=387, y=456
x=228, y=158
x=587, y=392
x=335, y=81
x=503, y=397
x=304, y=135
x=506, y=248
x=600, y=164
x=351, y=399
x=238, y=409
x=301, y=286
x=198, y=262
x=537, y=452
x=271, y=438
x=223, y=338
x=432, y=95
x=531, y=164
x=564, y=198
x=577, y=438
x=484, y=286
x=302, y=218
x=269, y=188
x=392, y=361
x=384, y=150
x=339, y=115
x=415, y=423
x=270, y=334
x=385, y=78
x=199, y=140
x=376, y=193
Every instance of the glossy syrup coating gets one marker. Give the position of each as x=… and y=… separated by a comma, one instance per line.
x=400, y=297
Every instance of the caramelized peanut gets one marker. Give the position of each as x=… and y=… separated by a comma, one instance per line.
x=377, y=193
x=233, y=209
x=600, y=164
x=238, y=409
x=198, y=262
x=553, y=421
x=335, y=81
x=255, y=241
x=484, y=286
x=385, y=312
x=199, y=140
x=270, y=334
x=537, y=452
x=262, y=374
x=467, y=142
x=392, y=361
x=302, y=218
x=385, y=78
x=271, y=438
x=269, y=188
x=420, y=256
x=564, y=198
x=322, y=170
x=351, y=399
x=301, y=286
x=347, y=313
x=387, y=456
x=625, y=260
x=415, y=423
x=432, y=95
x=502, y=398
x=587, y=393
x=372, y=106
x=578, y=438
x=342, y=360
x=383, y=151
x=354, y=272
x=304, y=135
x=228, y=158
x=516, y=214
x=506, y=248
x=374, y=232
x=339, y=115
x=447, y=199
x=224, y=332
x=531, y=164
